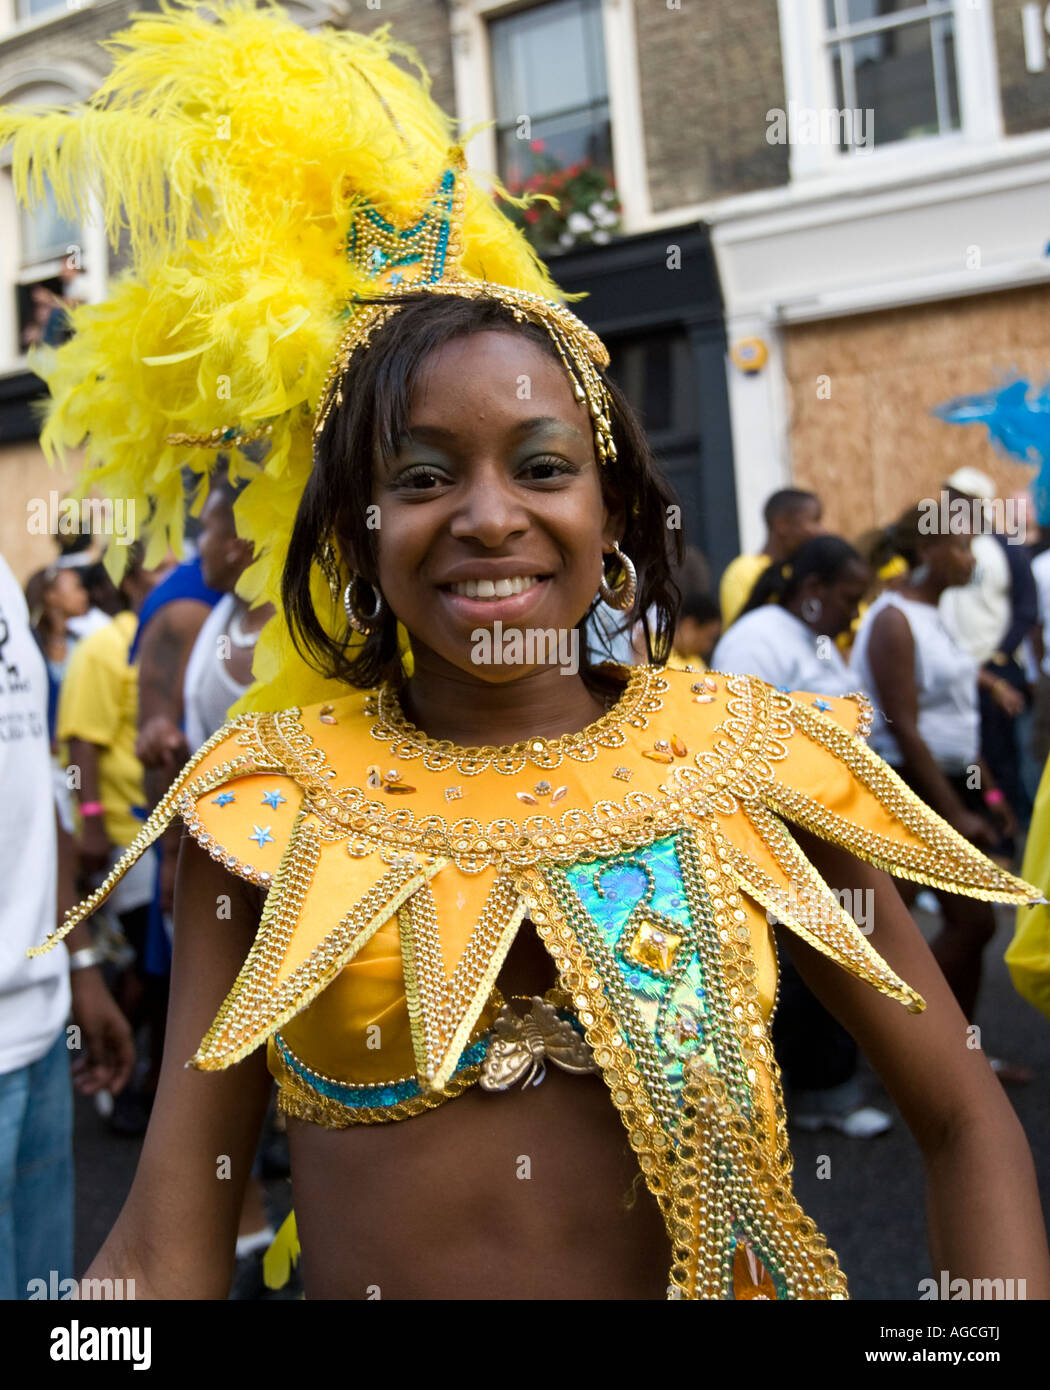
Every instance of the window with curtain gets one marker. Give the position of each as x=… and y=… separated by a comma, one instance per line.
x=548, y=63
x=897, y=59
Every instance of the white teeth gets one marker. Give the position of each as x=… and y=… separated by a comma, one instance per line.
x=499, y=588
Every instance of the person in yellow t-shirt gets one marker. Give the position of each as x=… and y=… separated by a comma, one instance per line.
x=792, y=517
x=97, y=727
x=97, y=707
x=97, y=724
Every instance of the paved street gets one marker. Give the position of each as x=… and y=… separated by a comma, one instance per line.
x=870, y=1207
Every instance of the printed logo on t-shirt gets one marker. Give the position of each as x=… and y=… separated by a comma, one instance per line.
x=16, y=723
x=13, y=683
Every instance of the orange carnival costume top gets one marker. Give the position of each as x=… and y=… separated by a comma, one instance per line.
x=651, y=850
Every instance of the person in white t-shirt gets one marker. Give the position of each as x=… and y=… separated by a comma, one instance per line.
x=786, y=635
x=36, y=1049
x=928, y=728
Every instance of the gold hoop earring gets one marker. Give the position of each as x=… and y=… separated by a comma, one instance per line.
x=364, y=624
x=622, y=596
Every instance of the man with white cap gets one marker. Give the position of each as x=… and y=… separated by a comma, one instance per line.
x=991, y=616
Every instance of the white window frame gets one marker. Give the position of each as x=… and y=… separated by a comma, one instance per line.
x=57, y=14
x=808, y=83
x=78, y=84
x=472, y=75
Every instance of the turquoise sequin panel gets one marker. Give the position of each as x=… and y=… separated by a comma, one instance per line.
x=645, y=890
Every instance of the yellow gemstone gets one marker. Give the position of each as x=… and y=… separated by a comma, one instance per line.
x=653, y=947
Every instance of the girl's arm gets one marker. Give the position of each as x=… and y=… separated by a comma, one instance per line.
x=983, y=1213
x=891, y=655
x=177, y=1232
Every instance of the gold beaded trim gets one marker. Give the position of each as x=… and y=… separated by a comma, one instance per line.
x=257, y=1004
x=603, y=1033
x=639, y=699
x=945, y=860
x=154, y=826
x=825, y=925
x=443, y=1011
x=581, y=350
x=222, y=437
x=710, y=1166
x=721, y=1170
x=865, y=713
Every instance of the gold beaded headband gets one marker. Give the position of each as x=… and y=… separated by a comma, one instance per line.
x=425, y=248
x=580, y=350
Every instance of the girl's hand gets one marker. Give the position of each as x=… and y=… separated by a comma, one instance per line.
x=976, y=829
x=1002, y=813
x=94, y=846
x=1009, y=700
x=108, y=1054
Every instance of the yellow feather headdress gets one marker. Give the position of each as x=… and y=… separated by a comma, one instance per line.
x=241, y=156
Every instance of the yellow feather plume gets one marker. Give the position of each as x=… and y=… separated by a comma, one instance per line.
x=230, y=146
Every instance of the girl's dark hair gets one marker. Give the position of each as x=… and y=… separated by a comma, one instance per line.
x=908, y=538
x=372, y=423
x=827, y=557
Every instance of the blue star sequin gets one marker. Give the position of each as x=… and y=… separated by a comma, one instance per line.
x=821, y=704
x=273, y=799
x=223, y=799
x=261, y=835
x=396, y=278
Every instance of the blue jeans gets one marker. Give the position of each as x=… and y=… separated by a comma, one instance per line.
x=36, y=1172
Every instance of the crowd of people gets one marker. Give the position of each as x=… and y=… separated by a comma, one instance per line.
x=943, y=630
x=129, y=679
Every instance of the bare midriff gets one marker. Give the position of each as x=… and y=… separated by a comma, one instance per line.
x=530, y=1193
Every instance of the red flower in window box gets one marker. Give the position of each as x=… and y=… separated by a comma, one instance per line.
x=537, y=146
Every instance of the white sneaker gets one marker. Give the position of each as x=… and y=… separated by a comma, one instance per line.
x=863, y=1123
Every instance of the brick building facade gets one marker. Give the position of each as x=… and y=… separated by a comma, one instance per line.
x=825, y=256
